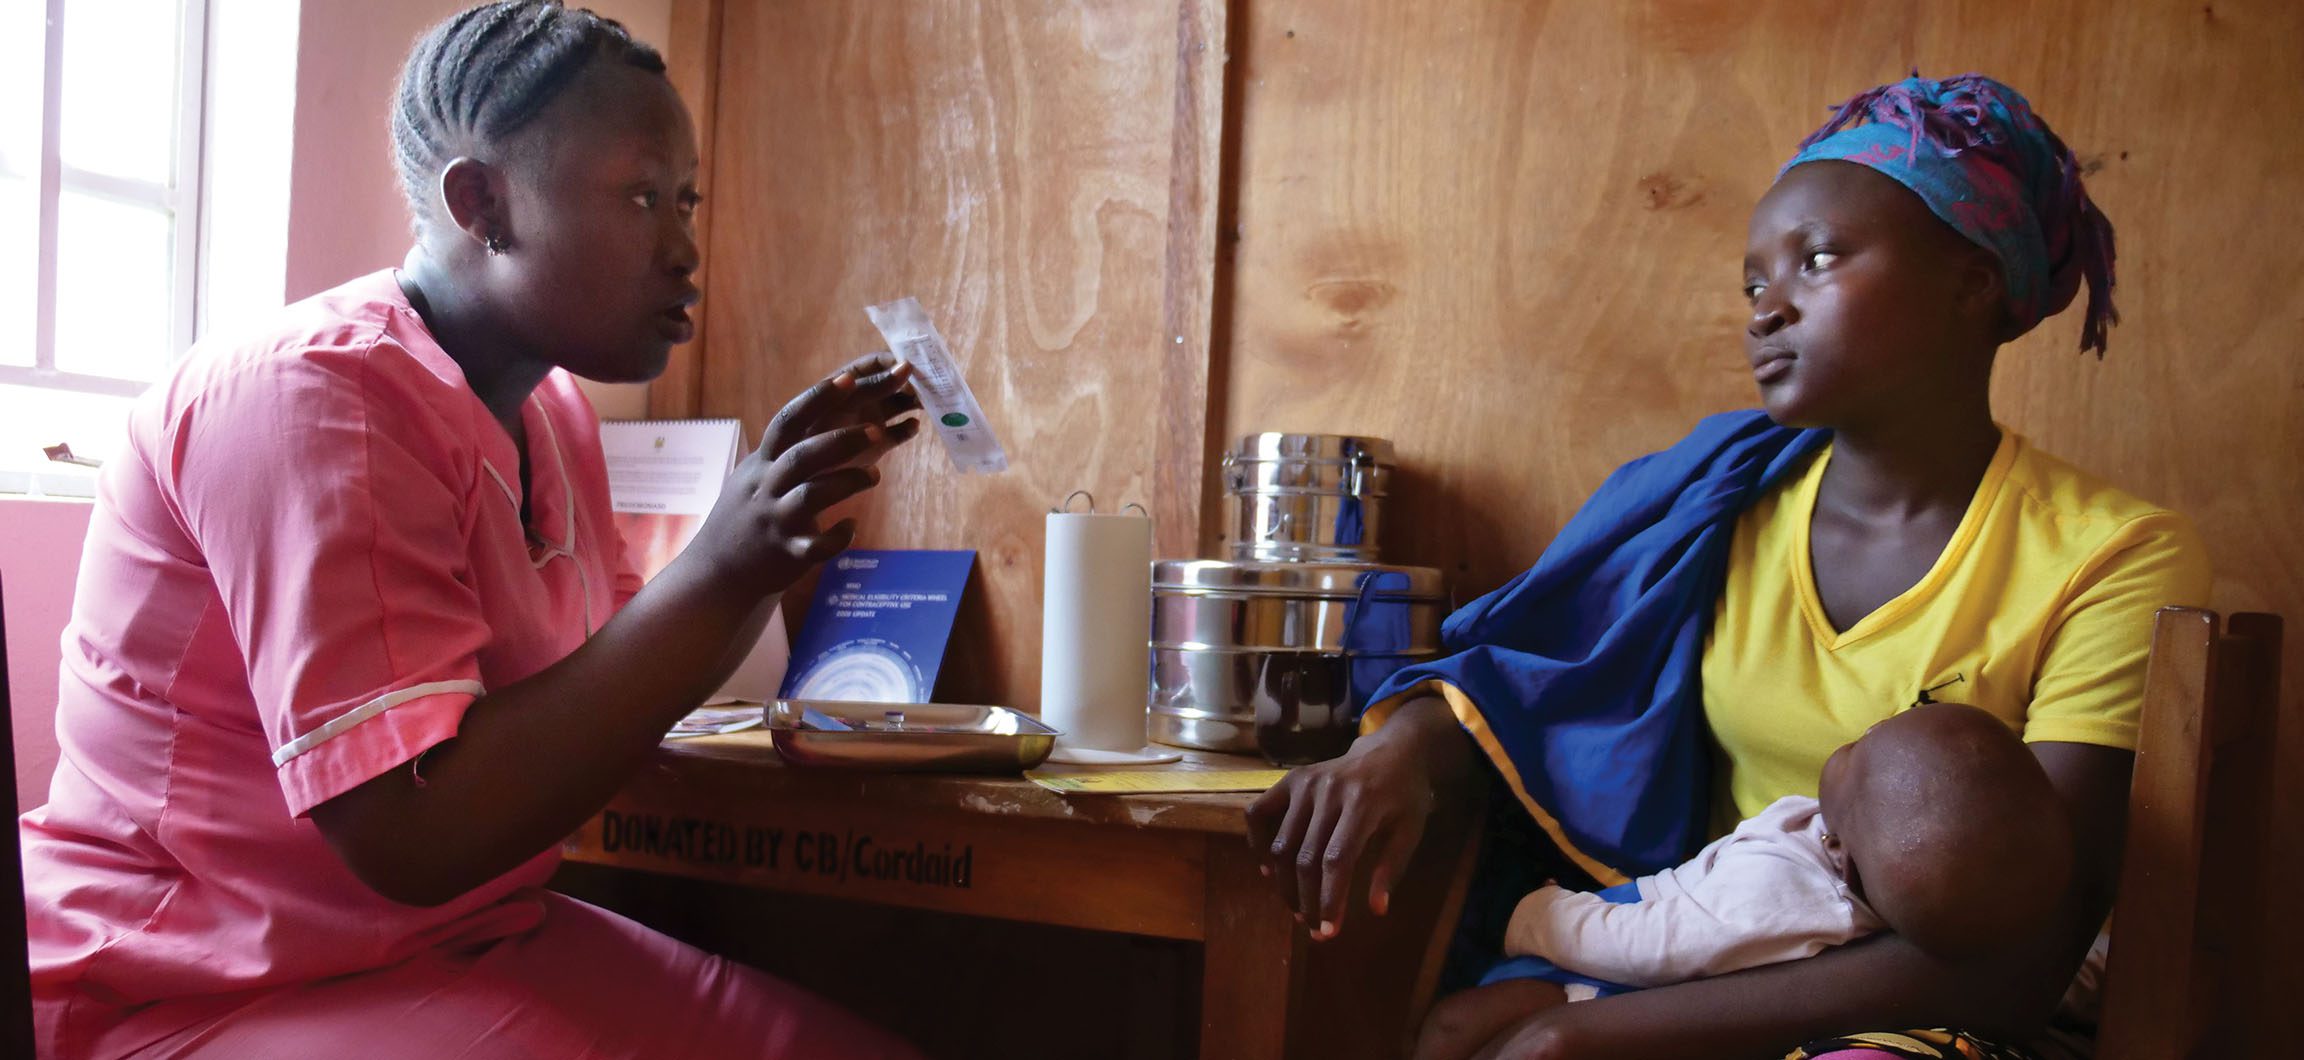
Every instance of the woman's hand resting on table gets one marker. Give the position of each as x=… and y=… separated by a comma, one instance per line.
x=764, y=531
x=1323, y=823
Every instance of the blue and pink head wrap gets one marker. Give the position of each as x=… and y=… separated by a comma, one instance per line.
x=1974, y=151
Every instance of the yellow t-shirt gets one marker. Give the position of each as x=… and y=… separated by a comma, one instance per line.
x=2039, y=610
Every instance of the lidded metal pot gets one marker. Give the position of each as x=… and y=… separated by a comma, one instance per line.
x=1278, y=648
x=1316, y=497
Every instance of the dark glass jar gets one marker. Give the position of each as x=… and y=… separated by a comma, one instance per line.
x=1304, y=707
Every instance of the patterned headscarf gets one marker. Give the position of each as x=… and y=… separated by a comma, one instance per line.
x=1974, y=151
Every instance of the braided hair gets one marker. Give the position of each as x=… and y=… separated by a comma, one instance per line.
x=486, y=72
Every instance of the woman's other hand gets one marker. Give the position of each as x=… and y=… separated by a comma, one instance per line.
x=1323, y=822
x=766, y=529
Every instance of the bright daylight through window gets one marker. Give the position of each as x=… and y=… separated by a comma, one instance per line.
x=99, y=220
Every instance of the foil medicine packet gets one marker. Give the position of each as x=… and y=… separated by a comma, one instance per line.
x=944, y=395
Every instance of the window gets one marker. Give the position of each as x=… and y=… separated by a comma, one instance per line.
x=99, y=219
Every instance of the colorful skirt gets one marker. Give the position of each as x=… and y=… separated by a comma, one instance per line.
x=1917, y=1045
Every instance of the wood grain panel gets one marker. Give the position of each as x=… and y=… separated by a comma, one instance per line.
x=1203, y=190
x=1009, y=165
x=692, y=60
x=1506, y=236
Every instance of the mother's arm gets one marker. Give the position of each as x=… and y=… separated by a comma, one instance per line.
x=1881, y=983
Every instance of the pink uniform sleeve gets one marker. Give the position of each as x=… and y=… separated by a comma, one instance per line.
x=332, y=502
x=628, y=576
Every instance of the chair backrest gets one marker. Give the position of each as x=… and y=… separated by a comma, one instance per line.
x=15, y=958
x=2184, y=940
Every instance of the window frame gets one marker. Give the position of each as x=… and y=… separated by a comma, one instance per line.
x=182, y=199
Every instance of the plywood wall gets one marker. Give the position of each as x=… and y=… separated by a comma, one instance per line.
x=1505, y=235
x=1012, y=166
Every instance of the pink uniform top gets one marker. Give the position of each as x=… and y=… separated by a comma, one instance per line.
x=304, y=568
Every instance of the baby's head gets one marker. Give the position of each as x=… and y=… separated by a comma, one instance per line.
x=1954, y=834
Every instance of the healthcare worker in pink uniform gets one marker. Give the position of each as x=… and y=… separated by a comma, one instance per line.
x=354, y=644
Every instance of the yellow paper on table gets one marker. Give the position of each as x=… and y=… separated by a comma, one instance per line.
x=1157, y=781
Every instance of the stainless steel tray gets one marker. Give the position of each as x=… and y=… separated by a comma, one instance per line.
x=907, y=737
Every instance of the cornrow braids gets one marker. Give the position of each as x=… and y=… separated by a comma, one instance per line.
x=482, y=74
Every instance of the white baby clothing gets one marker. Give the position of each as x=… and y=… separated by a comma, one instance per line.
x=1769, y=891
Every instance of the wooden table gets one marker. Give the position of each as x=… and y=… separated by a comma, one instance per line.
x=725, y=808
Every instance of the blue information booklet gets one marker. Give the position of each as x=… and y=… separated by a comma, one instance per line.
x=877, y=628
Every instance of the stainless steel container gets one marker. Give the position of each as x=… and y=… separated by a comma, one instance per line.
x=1317, y=497
x=1280, y=656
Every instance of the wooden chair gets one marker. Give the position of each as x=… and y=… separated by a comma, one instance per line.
x=2184, y=941
x=15, y=959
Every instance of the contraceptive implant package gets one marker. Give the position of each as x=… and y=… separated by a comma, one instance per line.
x=944, y=395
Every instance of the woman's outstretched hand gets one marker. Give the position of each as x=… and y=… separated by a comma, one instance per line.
x=765, y=531
x=1324, y=823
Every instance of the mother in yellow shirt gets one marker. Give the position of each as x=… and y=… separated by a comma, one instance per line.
x=1905, y=549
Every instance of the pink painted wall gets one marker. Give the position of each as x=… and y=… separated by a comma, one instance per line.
x=344, y=212
x=39, y=558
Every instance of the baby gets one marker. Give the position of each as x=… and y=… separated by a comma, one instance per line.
x=1937, y=824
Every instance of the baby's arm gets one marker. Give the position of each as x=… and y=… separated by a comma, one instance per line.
x=1739, y=916
x=1623, y=942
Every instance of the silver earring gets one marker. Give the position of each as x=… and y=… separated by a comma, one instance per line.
x=496, y=244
